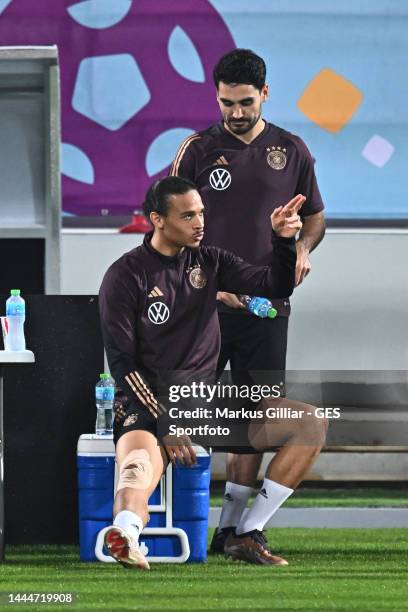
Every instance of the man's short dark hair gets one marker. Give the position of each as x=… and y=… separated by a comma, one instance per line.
x=240, y=66
x=156, y=199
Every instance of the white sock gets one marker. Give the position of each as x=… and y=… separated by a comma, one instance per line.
x=270, y=497
x=235, y=499
x=130, y=522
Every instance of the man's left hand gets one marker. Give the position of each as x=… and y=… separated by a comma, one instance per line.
x=303, y=265
x=285, y=220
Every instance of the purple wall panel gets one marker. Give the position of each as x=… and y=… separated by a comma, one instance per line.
x=130, y=94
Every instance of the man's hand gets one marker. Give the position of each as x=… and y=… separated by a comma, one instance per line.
x=230, y=299
x=303, y=265
x=181, y=449
x=285, y=219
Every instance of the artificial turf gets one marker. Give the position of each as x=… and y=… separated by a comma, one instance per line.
x=329, y=569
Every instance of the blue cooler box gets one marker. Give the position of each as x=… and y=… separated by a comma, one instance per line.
x=178, y=508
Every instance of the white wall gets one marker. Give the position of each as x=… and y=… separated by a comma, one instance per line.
x=350, y=313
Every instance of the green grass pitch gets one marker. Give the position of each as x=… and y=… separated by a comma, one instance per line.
x=330, y=569
x=360, y=497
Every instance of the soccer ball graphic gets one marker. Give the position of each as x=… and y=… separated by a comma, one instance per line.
x=136, y=78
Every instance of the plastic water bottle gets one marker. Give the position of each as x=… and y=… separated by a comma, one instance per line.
x=104, y=395
x=259, y=306
x=15, y=313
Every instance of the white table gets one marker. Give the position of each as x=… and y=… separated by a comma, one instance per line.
x=7, y=358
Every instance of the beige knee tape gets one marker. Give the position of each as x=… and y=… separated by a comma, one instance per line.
x=136, y=470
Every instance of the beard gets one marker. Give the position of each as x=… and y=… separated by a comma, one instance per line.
x=241, y=126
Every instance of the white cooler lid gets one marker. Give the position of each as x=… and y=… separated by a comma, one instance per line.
x=92, y=445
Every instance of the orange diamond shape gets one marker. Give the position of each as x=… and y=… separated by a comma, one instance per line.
x=330, y=100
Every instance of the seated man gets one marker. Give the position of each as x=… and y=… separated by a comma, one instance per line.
x=158, y=313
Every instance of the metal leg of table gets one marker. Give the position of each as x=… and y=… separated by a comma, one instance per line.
x=2, y=518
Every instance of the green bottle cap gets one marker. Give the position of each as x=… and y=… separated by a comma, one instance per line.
x=272, y=312
x=15, y=292
x=103, y=376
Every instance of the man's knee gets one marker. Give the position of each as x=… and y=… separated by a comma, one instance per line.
x=314, y=428
x=136, y=471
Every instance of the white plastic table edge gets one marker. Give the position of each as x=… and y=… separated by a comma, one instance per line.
x=17, y=357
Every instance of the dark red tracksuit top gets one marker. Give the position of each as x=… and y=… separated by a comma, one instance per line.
x=159, y=313
x=241, y=184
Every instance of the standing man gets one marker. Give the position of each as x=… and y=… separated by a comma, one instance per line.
x=245, y=167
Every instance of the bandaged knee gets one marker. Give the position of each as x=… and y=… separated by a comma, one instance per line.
x=136, y=471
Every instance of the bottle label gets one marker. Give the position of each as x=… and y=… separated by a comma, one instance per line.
x=259, y=306
x=15, y=310
x=105, y=394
